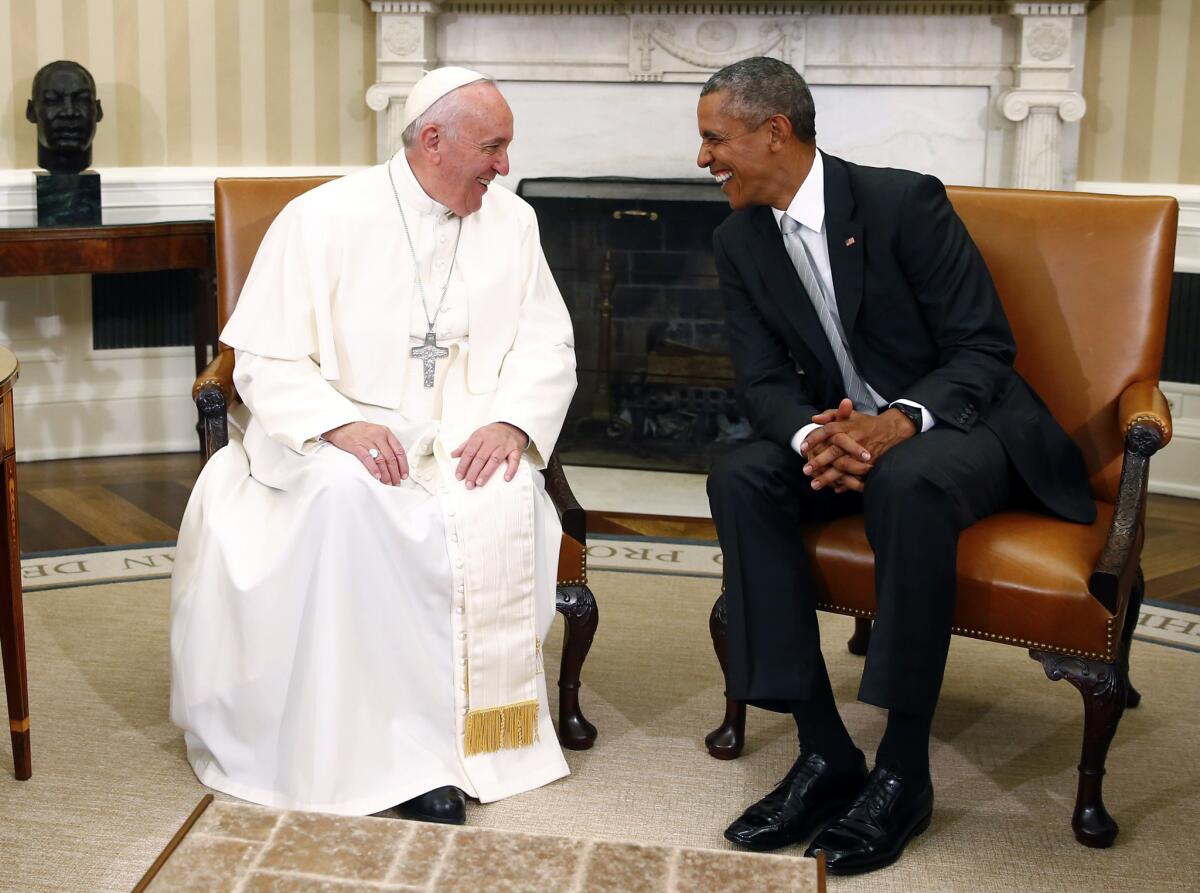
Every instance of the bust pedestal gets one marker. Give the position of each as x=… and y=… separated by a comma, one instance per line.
x=68, y=199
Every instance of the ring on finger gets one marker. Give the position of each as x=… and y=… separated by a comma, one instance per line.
x=373, y=453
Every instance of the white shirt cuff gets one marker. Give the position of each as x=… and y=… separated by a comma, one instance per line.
x=927, y=419
x=799, y=436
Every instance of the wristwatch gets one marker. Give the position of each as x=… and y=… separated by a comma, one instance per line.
x=913, y=414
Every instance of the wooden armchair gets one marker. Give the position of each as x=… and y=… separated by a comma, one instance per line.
x=245, y=208
x=1085, y=280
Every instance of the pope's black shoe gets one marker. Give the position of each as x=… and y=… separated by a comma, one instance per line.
x=809, y=795
x=888, y=813
x=446, y=806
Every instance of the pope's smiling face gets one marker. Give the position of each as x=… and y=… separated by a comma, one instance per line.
x=737, y=153
x=473, y=151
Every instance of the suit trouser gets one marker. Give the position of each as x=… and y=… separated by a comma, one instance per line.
x=917, y=499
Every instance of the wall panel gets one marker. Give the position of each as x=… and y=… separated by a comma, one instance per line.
x=1142, y=85
x=200, y=82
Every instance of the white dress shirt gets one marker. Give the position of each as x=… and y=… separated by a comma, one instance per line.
x=808, y=209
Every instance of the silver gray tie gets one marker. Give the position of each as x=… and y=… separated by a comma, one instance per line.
x=823, y=303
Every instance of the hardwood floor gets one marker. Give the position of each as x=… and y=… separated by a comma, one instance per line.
x=122, y=500
x=111, y=501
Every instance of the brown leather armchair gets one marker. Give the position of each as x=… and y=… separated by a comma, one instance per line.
x=245, y=208
x=1085, y=281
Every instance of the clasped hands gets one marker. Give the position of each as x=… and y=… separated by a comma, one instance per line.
x=479, y=455
x=842, y=452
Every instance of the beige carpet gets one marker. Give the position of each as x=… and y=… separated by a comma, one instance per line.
x=110, y=783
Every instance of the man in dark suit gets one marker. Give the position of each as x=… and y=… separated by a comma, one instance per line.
x=875, y=361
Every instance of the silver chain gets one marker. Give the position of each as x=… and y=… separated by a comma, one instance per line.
x=430, y=321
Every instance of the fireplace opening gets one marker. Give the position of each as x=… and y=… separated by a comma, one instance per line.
x=633, y=259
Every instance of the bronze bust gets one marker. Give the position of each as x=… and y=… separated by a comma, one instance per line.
x=66, y=110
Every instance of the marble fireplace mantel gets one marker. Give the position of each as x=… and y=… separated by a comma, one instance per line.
x=978, y=93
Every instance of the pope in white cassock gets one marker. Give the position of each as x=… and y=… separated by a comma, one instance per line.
x=363, y=582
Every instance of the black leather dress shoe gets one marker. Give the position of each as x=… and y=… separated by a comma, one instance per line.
x=873, y=832
x=446, y=806
x=808, y=796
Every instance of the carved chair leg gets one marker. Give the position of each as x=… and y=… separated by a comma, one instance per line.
x=1132, y=697
x=861, y=639
x=1104, y=689
x=578, y=607
x=726, y=741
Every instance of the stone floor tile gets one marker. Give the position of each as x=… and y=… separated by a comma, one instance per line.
x=204, y=864
x=348, y=848
x=266, y=882
x=422, y=853
x=621, y=867
x=720, y=871
x=238, y=820
x=504, y=862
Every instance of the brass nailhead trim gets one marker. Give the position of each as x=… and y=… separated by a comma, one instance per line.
x=1147, y=418
x=1108, y=657
x=582, y=581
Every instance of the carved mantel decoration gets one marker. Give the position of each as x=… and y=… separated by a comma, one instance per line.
x=660, y=48
x=1044, y=94
x=1022, y=60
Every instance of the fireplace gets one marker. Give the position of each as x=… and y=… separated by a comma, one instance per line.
x=633, y=259
x=976, y=92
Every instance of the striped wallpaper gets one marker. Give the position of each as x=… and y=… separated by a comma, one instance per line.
x=1141, y=80
x=200, y=82
x=281, y=82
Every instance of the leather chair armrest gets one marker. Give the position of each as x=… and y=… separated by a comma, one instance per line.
x=214, y=394
x=1142, y=403
x=218, y=374
x=570, y=512
x=1145, y=420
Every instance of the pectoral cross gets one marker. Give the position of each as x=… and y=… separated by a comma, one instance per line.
x=427, y=353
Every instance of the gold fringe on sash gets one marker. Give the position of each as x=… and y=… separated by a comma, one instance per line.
x=497, y=728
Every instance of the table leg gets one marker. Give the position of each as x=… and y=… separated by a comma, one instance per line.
x=204, y=317
x=12, y=625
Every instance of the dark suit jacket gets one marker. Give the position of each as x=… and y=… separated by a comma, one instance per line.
x=921, y=314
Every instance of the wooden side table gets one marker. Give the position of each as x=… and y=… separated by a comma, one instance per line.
x=129, y=247
x=12, y=615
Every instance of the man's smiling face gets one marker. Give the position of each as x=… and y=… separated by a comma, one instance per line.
x=735, y=152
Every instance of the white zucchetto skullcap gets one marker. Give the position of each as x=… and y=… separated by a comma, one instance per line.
x=434, y=86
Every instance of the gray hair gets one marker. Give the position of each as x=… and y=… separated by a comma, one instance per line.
x=445, y=113
x=760, y=87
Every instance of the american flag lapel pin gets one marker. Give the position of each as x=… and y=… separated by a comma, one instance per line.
x=850, y=241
